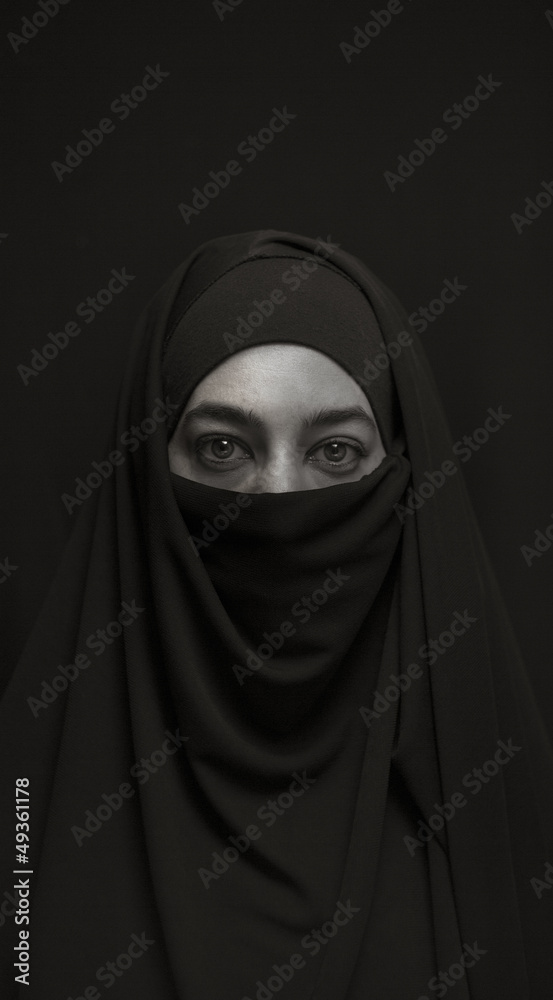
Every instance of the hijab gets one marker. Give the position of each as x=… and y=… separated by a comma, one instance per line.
x=278, y=741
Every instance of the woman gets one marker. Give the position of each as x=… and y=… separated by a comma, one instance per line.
x=275, y=724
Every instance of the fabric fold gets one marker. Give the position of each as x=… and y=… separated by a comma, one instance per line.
x=300, y=832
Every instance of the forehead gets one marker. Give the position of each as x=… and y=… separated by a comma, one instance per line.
x=279, y=373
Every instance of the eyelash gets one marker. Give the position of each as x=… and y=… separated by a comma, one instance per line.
x=360, y=451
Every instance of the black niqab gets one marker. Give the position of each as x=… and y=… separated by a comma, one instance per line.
x=337, y=786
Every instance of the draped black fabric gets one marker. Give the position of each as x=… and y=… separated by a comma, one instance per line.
x=250, y=773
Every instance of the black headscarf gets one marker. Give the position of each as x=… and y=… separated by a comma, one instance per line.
x=250, y=770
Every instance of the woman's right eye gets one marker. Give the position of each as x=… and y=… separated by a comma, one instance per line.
x=222, y=450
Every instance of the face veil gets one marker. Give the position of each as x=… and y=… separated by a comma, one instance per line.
x=358, y=814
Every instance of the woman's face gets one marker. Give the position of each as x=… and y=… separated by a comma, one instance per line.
x=276, y=418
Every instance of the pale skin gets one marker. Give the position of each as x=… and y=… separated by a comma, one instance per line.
x=276, y=418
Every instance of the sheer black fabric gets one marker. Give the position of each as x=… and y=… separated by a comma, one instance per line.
x=244, y=816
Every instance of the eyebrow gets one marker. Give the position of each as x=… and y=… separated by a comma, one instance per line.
x=317, y=418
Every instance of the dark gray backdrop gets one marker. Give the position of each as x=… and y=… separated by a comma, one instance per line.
x=355, y=113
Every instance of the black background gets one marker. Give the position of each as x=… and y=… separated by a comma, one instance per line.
x=322, y=176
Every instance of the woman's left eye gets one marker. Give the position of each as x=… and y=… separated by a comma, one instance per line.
x=340, y=454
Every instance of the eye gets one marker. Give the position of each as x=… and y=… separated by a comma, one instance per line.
x=339, y=455
x=221, y=450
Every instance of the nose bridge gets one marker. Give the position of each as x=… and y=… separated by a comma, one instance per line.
x=282, y=470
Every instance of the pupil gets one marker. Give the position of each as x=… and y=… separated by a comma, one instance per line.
x=335, y=451
x=221, y=448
